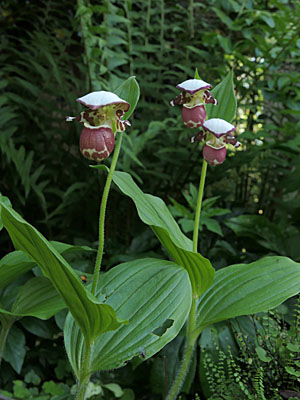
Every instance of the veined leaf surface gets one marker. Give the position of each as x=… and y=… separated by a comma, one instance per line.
x=153, y=295
x=244, y=289
x=37, y=298
x=224, y=93
x=129, y=91
x=154, y=212
x=17, y=263
x=92, y=316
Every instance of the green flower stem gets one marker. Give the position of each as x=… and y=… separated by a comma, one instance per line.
x=84, y=379
x=191, y=339
x=199, y=204
x=5, y=328
x=103, y=209
x=192, y=334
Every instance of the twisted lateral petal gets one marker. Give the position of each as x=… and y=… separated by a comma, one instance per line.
x=232, y=140
x=193, y=85
x=209, y=98
x=199, y=137
x=102, y=98
x=182, y=98
x=121, y=125
x=218, y=126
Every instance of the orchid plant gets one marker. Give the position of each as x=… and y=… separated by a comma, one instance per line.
x=136, y=308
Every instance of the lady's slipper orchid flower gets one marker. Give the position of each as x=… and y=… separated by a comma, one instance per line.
x=101, y=120
x=217, y=133
x=194, y=94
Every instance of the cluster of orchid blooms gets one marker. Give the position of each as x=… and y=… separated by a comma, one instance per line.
x=104, y=117
x=216, y=132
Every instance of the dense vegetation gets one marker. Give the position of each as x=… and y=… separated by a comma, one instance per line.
x=53, y=52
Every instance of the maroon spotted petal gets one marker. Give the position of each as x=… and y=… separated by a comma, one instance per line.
x=97, y=144
x=193, y=117
x=213, y=155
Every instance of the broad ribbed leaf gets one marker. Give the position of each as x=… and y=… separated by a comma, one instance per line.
x=224, y=93
x=17, y=263
x=66, y=248
x=15, y=349
x=148, y=293
x=244, y=289
x=92, y=316
x=154, y=212
x=13, y=265
x=129, y=91
x=38, y=298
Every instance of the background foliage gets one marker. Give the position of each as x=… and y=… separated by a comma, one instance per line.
x=53, y=52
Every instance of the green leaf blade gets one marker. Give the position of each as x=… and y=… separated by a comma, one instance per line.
x=224, y=93
x=147, y=293
x=13, y=265
x=17, y=263
x=92, y=317
x=129, y=91
x=199, y=268
x=38, y=298
x=154, y=212
x=6, y=201
x=15, y=349
x=247, y=289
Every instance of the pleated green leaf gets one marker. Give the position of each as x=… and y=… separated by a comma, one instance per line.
x=13, y=265
x=37, y=298
x=153, y=295
x=224, y=93
x=244, y=289
x=15, y=349
x=17, y=263
x=8, y=203
x=154, y=212
x=92, y=316
x=129, y=91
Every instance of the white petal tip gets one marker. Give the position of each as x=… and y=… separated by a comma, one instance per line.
x=193, y=85
x=102, y=98
x=218, y=126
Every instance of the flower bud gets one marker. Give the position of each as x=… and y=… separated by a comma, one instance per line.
x=214, y=155
x=193, y=117
x=97, y=144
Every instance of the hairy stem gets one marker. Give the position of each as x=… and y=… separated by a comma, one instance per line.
x=84, y=379
x=187, y=355
x=191, y=333
x=103, y=209
x=199, y=204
